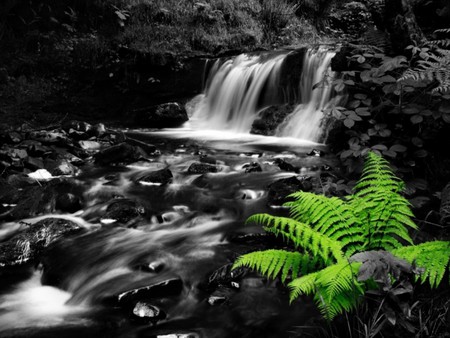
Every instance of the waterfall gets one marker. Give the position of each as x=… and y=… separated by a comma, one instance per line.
x=234, y=90
x=238, y=89
x=315, y=94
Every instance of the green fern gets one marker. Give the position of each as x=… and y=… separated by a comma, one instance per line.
x=328, y=232
x=433, y=257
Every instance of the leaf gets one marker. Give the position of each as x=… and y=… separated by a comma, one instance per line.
x=339, y=87
x=417, y=142
x=410, y=111
x=381, y=147
x=398, y=148
x=385, y=133
x=354, y=104
x=361, y=59
x=416, y=119
x=349, y=123
x=349, y=82
x=362, y=111
x=446, y=118
x=360, y=96
x=390, y=153
x=421, y=153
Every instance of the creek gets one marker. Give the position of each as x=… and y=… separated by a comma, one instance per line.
x=176, y=253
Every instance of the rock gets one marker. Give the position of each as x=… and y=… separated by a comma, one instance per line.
x=167, y=115
x=316, y=153
x=279, y=190
x=147, y=147
x=153, y=267
x=252, y=167
x=201, y=168
x=225, y=276
x=77, y=135
x=90, y=145
x=208, y=159
x=29, y=244
x=78, y=126
x=50, y=137
x=68, y=202
x=167, y=288
x=40, y=175
x=98, y=130
x=145, y=311
x=61, y=167
x=285, y=166
x=161, y=177
x=270, y=118
x=122, y=211
x=14, y=137
x=34, y=163
x=120, y=153
x=35, y=148
x=217, y=300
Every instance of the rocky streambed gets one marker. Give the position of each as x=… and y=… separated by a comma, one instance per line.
x=133, y=233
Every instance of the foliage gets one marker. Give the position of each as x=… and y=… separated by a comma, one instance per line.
x=336, y=239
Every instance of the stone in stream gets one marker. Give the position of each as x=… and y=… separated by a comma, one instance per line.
x=225, y=276
x=122, y=211
x=144, y=311
x=120, y=153
x=201, y=168
x=316, y=153
x=75, y=125
x=166, y=115
x=147, y=147
x=160, y=177
x=279, y=190
x=208, y=159
x=270, y=118
x=285, y=166
x=29, y=244
x=252, y=167
x=167, y=288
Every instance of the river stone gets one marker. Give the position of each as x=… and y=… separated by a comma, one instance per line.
x=201, y=168
x=61, y=167
x=30, y=243
x=270, y=118
x=50, y=137
x=120, y=153
x=167, y=288
x=148, y=312
x=147, y=147
x=163, y=176
x=68, y=202
x=78, y=126
x=122, y=211
x=166, y=115
x=252, y=167
x=280, y=189
x=34, y=163
x=225, y=275
x=285, y=166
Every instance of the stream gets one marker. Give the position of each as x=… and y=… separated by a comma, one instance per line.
x=172, y=259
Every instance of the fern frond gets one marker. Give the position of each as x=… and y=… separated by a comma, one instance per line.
x=377, y=175
x=336, y=288
x=330, y=216
x=301, y=236
x=433, y=257
x=272, y=263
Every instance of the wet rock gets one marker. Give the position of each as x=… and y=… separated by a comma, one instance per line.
x=30, y=243
x=98, y=130
x=316, y=152
x=167, y=288
x=161, y=177
x=279, y=190
x=225, y=276
x=153, y=267
x=201, y=168
x=68, y=202
x=35, y=148
x=61, y=167
x=148, y=312
x=90, y=145
x=34, y=163
x=78, y=126
x=50, y=137
x=285, y=166
x=122, y=211
x=270, y=118
x=77, y=135
x=147, y=147
x=167, y=115
x=62, y=154
x=217, y=300
x=120, y=153
x=220, y=296
x=252, y=167
x=14, y=137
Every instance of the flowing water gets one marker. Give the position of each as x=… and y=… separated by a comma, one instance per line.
x=186, y=230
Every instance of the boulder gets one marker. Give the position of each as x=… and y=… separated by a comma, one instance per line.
x=280, y=189
x=30, y=243
x=144, y=311
x=120, y=153
x=252, y=167
x=61, y=167
x=122, y=211
x=201, y=168
x=147, y=147
x=78, y=126
x=270, y=118
x=163, y=176
x=166, y=115
x=285, y=166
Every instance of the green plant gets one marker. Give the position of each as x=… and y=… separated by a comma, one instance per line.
x=334, y=239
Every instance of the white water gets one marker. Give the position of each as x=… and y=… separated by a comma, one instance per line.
x=233, y=93
x=236, y=88
x=315, y=93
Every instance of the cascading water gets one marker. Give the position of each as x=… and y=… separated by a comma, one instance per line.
x=234, y=90
x=315, y=94
x=237, y=90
